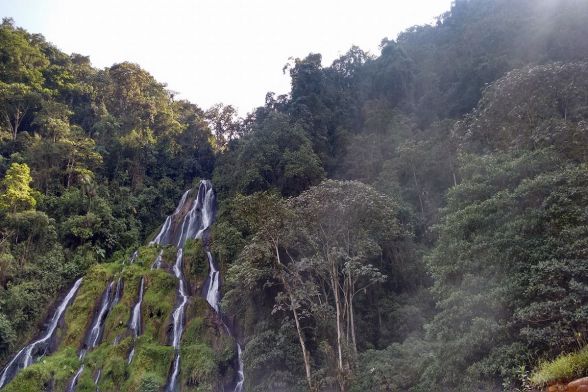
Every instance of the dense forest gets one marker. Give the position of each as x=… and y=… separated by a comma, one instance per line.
x=409, y=221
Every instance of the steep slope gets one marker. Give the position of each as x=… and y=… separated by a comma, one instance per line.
x=133, y=327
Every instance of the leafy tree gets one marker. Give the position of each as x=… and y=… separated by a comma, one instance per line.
x=16, y=102
x=270, y=218
x=7, y=334
x=278, y=154
x=224, y=123
x=16, y=193
x=534, y=107
x=22, y=61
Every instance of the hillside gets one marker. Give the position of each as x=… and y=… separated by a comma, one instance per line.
x=408, y=221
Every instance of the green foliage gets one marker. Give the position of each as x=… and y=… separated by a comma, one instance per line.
x=158, y=303
x=563, y=368
x=195, y=257
x=397, y=368
x=7, y=333
x=151, y=383
x=534, y=107
x=276, y=155
x=329, y=285
x=60, y=367
x=78, y=315
x=16, y=193
x=272, y=362
x=502, y=267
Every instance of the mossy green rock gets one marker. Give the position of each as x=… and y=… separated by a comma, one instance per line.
x=208, y=353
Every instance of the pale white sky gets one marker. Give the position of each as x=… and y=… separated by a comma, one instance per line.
x=210, y=51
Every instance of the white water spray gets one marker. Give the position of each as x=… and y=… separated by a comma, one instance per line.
x=74, y=381
x=24, y=357
x=157, y=263
x=136, y=319
x=212, y=295
x=96, y=331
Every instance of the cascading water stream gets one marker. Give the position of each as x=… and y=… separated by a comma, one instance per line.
x=96, y=331
x=190, y=224
x=133, y=257
x=117, y=292
x=24, y=357
x=74, y=380
x=240, y=374
x=212, y=295
x=163, y=235
x=197, y=219
x=178, y=319
x=136, y=319
x=95, y=335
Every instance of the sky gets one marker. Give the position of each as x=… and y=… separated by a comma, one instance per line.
x=212, y=51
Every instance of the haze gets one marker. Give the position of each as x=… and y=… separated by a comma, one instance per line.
x=210, y=51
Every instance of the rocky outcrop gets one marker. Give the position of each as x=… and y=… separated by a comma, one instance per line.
x=579, y=385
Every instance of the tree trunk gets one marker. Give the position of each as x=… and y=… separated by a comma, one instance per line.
x=351, y=316
x=305, y=354
x=334, y=283
x=13, y=129
x=70, y=165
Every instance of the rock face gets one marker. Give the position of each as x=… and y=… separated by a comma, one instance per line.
x=580, y=385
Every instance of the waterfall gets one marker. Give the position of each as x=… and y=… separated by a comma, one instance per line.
x=117, y=293
x=241, y=375
x=212, y=295
x=207, y=211
x=95, y=334
x=24, y=357
x=163, y=232
x=198, y=218
x=178, y=318
x=96, y=331
x=163, y=235
x=131, y=355
x=74, y=380
x=178, y=315
x=133, y=257
x=136, y=319
x=191, y=219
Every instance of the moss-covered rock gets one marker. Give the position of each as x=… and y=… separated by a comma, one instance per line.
x=54, y=371
x=195, y=262
x=158, y=304
x=79, y=314
x=208, y=353
x=151, y=363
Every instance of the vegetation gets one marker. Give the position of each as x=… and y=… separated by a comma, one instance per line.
x=415, y=220
x=563, y=368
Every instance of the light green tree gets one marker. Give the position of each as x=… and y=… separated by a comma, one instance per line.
x=15, y=190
